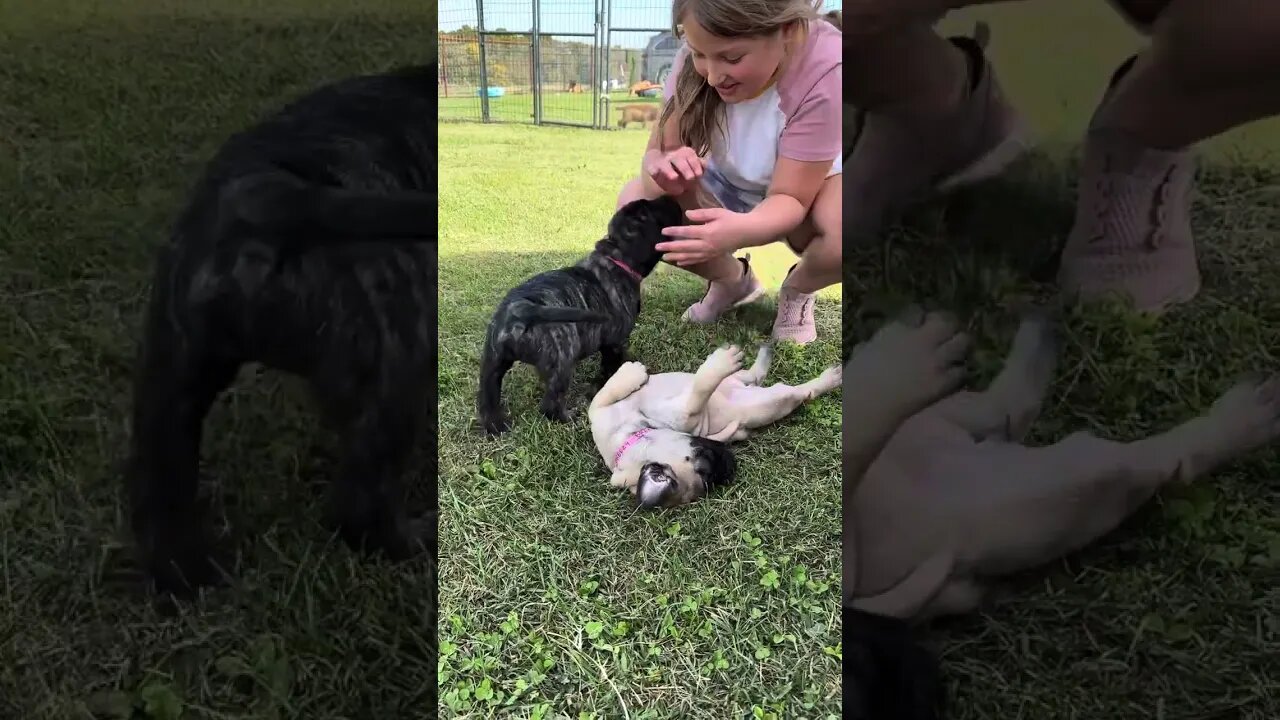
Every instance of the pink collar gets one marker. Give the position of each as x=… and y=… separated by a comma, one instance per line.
x=639, y=278
x=626, y=445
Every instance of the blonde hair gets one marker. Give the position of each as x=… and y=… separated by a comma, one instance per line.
x=701, y=109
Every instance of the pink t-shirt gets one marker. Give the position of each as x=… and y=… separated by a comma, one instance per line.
x=798, y=117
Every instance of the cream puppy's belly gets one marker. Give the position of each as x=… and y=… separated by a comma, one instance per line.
x=725, y=406
x=665, y=437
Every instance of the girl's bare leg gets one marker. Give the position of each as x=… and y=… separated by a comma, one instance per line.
x=819, y=241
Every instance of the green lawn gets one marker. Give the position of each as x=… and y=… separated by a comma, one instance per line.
x=551, y=585
x=1177, y=614
x=106, y=116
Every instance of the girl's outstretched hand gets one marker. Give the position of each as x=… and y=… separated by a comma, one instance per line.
x=718, y=234
x=675, y=171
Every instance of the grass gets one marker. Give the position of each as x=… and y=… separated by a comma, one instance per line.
x=1176, y=615
x=556, y=596
x=108, y=112
x=561, y=107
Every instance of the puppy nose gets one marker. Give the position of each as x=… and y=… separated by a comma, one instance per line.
x=649, y=503
x=651, y=493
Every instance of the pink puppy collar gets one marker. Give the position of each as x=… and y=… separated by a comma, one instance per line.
x=626, y=445
x=630, y=271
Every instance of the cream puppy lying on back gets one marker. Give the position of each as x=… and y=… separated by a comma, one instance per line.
x=943, y=501
x=666, y=437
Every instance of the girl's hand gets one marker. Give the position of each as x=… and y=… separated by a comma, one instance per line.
x=719, y=234
x=675, y=171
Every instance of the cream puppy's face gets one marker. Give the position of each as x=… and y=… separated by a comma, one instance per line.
x=678, y=472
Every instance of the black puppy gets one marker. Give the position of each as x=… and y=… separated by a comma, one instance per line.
x=308, y=246
x=559, y=317
x=887, y=675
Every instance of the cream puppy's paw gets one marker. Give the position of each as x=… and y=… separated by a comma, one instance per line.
x=631, y=376
x=625, y=479
x=724, y=361
x=829, y=380
x=1248, y=415
x=911, y=362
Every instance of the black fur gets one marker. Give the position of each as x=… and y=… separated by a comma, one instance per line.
x=557, y=318
x=714, y=461
x=887, y=675
x=308, y=246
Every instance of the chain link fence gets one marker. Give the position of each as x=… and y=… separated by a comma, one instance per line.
x=588, y=63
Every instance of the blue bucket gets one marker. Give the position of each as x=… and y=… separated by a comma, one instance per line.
x=493, y=92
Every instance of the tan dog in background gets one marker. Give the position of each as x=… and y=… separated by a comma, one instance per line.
x=952, y=500
x=641, y=86
x=637, y=113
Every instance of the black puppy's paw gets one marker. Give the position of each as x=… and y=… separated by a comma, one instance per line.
x=182, y=574
x=495, y=426
x=396, y=542
x=558, y=414
x=424, y=531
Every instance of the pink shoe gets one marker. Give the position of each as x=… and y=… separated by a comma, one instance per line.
x=795, y=317
x=723, y=296
x=898, y=159
x=1132, y=233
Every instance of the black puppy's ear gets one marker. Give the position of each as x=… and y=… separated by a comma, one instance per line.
x=669, y=212
x=626, y=219
x=669, y=206
x=714, y=462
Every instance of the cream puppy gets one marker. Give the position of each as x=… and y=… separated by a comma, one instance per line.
x=954, y=500
x=666, y=437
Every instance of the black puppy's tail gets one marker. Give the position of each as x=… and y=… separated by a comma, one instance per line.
x=287, y=207
x=531, y=312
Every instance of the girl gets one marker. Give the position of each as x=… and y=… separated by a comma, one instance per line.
x=749, y=142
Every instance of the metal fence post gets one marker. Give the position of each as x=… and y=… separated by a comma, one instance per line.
x=608, y=61
x=484, y=72
x=595, y=52
x=602, y=104
x=536, y=59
